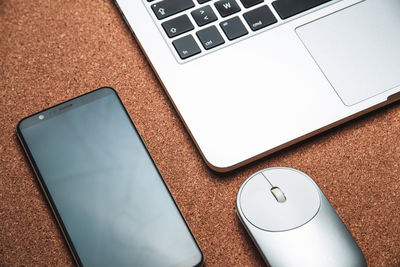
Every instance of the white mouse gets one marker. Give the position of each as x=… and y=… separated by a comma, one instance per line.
x=292, y=223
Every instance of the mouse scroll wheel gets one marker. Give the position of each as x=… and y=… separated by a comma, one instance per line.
x=278, y=194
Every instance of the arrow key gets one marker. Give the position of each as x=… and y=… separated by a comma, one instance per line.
x=204, y=15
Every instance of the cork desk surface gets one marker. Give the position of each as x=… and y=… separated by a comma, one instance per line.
x=51, y=51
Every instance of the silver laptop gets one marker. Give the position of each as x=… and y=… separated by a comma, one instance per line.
x=250, y=77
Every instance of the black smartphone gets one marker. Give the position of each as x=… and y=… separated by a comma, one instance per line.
x=112, y=205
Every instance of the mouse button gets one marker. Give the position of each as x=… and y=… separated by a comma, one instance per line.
x=261, y=208
x=296, y=186
x=256, y=199
x=302, y=194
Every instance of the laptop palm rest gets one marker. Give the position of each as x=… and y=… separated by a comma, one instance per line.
x=357, y=48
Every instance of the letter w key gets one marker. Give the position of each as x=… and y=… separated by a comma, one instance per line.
x=227, y=7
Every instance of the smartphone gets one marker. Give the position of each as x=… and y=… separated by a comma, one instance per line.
x=106, y=193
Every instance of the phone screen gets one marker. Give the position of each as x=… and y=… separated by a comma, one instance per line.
x=103, y=186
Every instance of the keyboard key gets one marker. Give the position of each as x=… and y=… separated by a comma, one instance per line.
x=233, y=28
x=204, y=15
x=259, y=18
x=168, y=8
x=202, y=1
x=227, y=7
x=177, y=26
x=288, y=8
x=250, y=3
x=186, y=46
x=210, y=37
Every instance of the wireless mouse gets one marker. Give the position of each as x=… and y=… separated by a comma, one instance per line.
x=292, y=223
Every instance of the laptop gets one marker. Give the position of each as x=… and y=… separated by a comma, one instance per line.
x=250, y=77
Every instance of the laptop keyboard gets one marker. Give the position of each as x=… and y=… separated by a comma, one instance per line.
x=195, y=27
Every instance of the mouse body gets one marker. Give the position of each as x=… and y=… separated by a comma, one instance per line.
x=292, y=223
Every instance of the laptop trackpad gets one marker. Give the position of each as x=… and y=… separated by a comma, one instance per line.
x=357, y=48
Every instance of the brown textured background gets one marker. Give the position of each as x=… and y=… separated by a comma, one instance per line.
x=51, y=51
